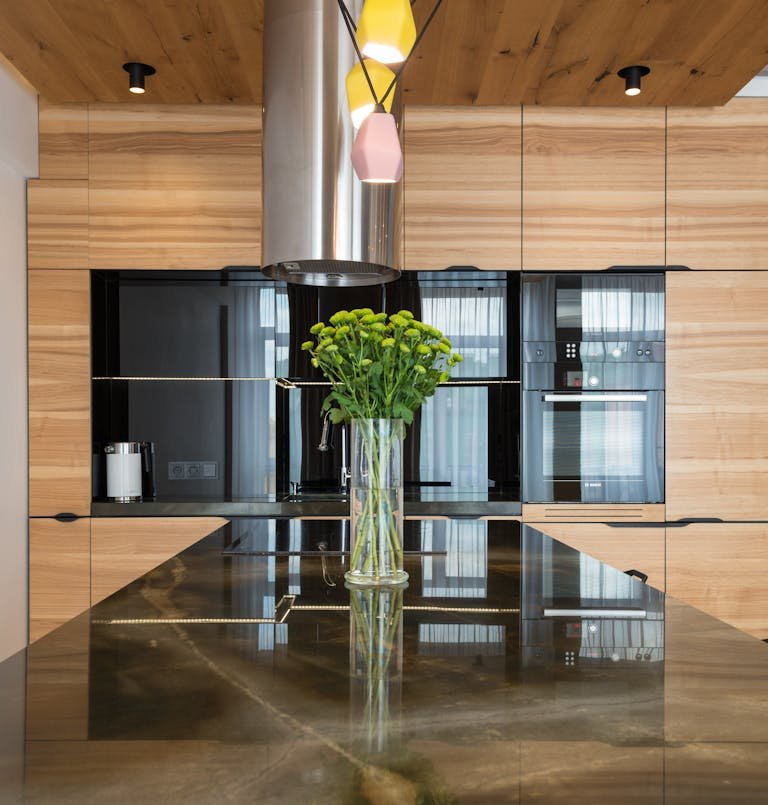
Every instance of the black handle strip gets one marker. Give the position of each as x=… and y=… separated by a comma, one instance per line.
x=66, y=517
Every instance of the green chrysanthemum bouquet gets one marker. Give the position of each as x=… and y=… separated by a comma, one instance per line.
x=380, y=367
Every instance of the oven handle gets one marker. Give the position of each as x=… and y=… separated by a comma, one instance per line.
x=593, y=612
x=595, y=397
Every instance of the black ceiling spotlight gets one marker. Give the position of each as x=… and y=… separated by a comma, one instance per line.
x=632, y=76
x=137, y=71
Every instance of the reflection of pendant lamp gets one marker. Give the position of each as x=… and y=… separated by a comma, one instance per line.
x=376, y=153
x=361, y=102
x=386, y=30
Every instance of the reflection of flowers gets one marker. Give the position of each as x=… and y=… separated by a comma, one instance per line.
x=376, y=655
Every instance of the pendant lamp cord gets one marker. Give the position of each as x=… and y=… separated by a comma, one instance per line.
x=349, y=22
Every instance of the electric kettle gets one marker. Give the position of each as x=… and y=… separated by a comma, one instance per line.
x=130, y=471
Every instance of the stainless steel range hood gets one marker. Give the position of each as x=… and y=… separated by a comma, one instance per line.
x=321, y=224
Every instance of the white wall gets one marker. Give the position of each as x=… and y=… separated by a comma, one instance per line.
x=18, y=160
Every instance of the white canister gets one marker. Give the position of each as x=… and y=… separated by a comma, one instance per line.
x=123, y=471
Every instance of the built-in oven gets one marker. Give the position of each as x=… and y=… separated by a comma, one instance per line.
x=593, y=446
x=593, y=388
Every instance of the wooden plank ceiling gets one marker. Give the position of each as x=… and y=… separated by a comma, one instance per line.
x=485, y=52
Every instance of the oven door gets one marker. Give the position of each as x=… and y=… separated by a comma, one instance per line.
x=593, y=447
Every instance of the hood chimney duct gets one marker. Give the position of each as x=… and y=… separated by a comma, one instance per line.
x=321, y=224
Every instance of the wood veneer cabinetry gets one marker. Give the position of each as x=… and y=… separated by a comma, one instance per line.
x=59, y=392
x=593, y=188
x=717, y=186
x=59, y=572
x=462, y=187
x=174, y=186
x=150, y=186
x=720, y=569
x=717, y=387
x=57, y=223
x=124, y=548
x=631, y=547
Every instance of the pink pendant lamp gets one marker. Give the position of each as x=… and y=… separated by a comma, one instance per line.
x=376, y=153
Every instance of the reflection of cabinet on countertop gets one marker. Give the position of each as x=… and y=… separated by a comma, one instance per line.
x=631, y=547
x=718, y=568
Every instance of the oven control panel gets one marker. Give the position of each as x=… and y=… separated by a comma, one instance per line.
x=608, y=352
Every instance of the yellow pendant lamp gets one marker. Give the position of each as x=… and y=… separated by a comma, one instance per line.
x=386, y=30
x=361, y=102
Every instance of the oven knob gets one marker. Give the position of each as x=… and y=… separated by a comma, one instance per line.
x=593, y=381
x=647, y=351
x=639, y=351
x=539, y=351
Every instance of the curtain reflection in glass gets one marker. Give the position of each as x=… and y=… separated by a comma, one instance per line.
x=460, y=568
x=475, y=320
x=454, y=438
x=461, y=640
x=253, y=588
x=628, y=308
x=253, y=402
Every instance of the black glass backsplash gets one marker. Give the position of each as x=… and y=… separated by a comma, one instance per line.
x=197, y=363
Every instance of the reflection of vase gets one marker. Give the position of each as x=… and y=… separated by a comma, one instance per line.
x=376, y=502
x=376, y=660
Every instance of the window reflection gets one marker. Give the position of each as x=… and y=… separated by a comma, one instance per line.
x=475, y=321
x=462, y=570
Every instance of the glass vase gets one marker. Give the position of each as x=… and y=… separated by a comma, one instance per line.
x=376, y=503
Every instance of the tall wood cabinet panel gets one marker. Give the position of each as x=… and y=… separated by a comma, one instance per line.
x=59, y=392
x=593, y=187
x=717, y=388
x=124, y=548
x=57, y=685
x=632, y=547
x=720, y=569
x=63, y=140
x=174, y=186
x=57, y=223
x=717, y=186
x=461, y=187
x=59, y=572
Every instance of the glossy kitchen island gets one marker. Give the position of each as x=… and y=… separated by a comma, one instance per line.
x=511, y=669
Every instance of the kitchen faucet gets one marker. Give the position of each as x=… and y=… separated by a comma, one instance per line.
x=326, y=443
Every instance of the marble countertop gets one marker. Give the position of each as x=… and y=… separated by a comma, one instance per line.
x=511, y=669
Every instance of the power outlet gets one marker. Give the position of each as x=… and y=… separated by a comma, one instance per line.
x=193, y=470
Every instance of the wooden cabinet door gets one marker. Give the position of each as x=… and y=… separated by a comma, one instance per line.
x=717, y=395
x=719, y=568
x=57, y=223
x=124, y=548
x=593, y=188
x=174, y=186
x=59, y=572
x=59, y=392
x=717, y=186
x=626, y=548
x=461, y=187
